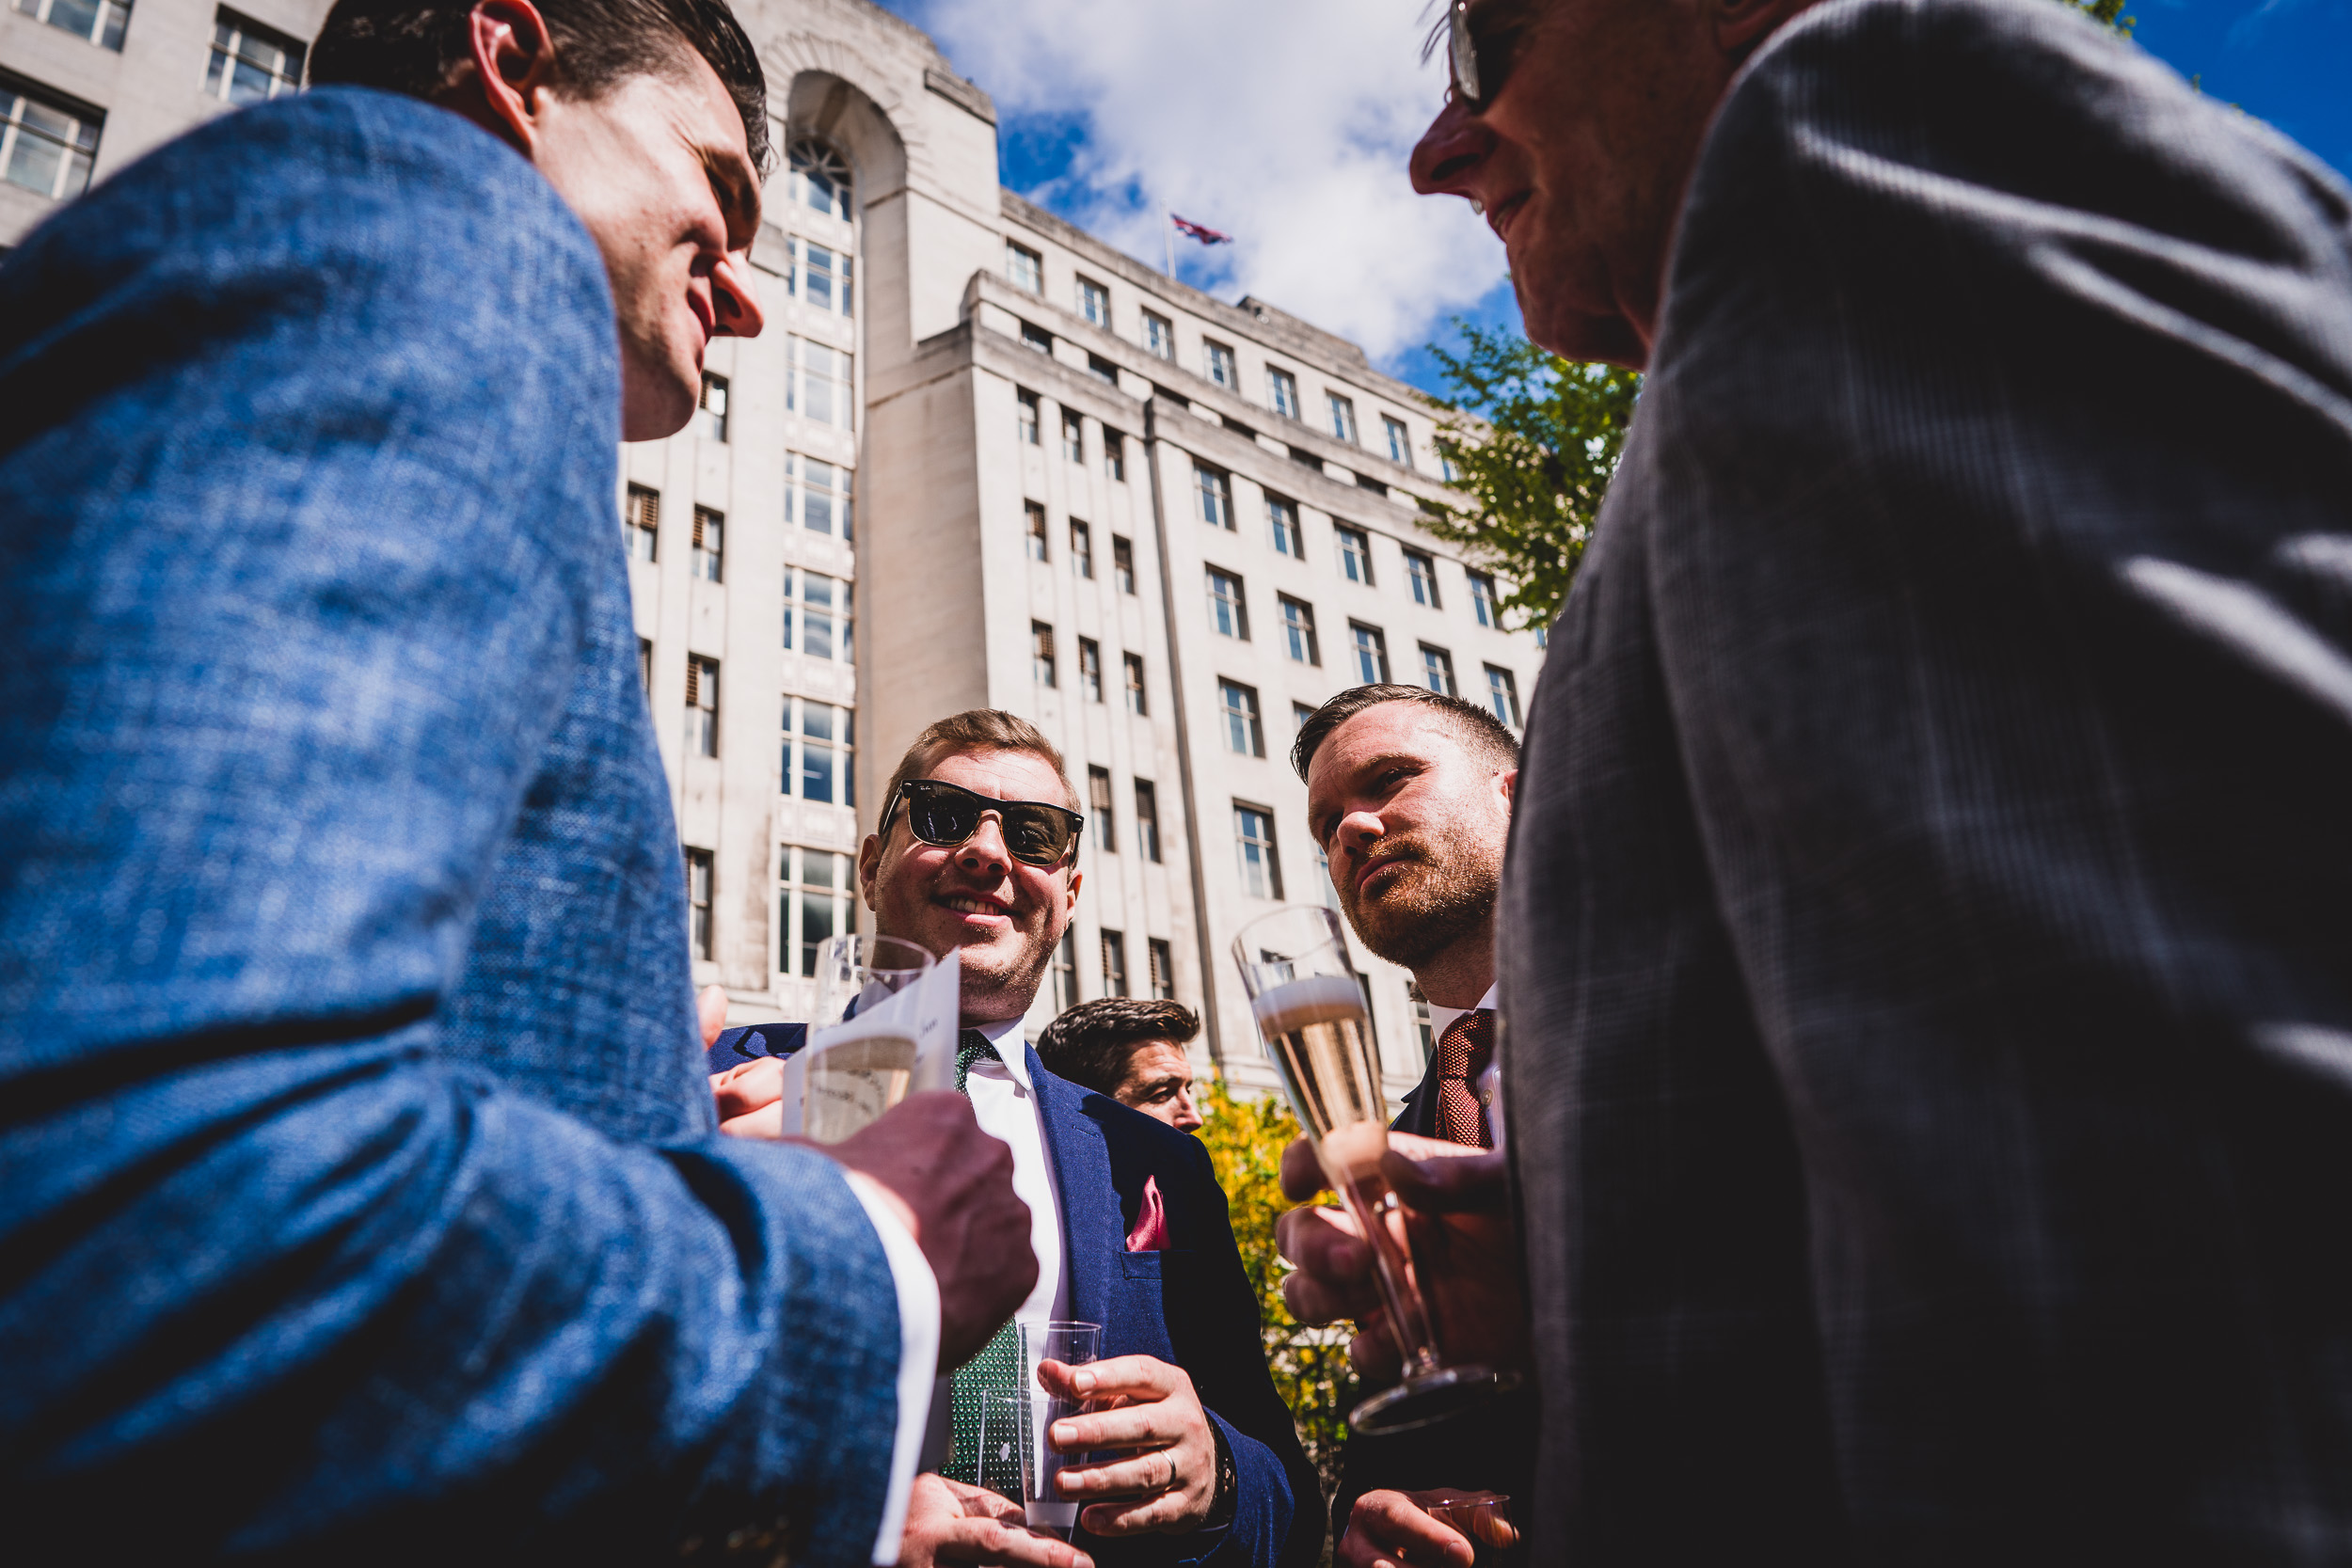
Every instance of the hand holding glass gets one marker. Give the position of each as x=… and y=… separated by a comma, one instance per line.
x=852, y=1083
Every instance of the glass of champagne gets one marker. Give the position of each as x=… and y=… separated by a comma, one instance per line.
x=853, y=1083
x=1073, y=1344
x=1309, y=1009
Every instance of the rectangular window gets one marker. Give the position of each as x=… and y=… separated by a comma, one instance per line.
x=1036, y=512
x=1090, y=669
x=1229, y=611
x=1094, y=303
x=641, y=522
x=1041, y=654
x=1147, y=820
x=1298, y=631
x=709, y=544
x=1282, y=392
x=710, y=418
x=1282, y=519
x=1342, y=418
x=1399, y=441
x=1354, y=554
x=701, y=706
x=820, y=181
x=817, y=495
x=1423, y=573
x=1066, y=972
x=1104, y=822
x=1324, y=886
x=819, y=277
x=1483, y=602
x=1028, y=418
x=1081, y=548
x=817, y=382
x=1036, y=337
x=1114, y=455
x=822, y=895
x=1123, y=562
x=1261, y=866
x=1503, y=695
x=249, y=62
x=698, y=901
x=101, y=22
x=1300, y=713
x=1102, y=369
x=1114, y=964
x=1437, y=671
x=1245, y=735
x=824, y=749
x=1073, y=443
x=1025, y=267
x=1163, y=970
x=1217, y=496
x=1372, y=654
x=816, y=616
x=44, y=149
x=1159, y=335
x=1137, y=703
x=1421, y=1030
x=1217, y=364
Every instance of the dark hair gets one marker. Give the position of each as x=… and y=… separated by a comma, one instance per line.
x=1481, y=731
x=1089, y=1044
x=418, y=47
x=978, y=729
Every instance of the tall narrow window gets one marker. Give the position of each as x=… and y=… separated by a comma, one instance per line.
x=1298, y=631
x=1217, y=496
x=44, y=149
x=1261, y=865
x=1027, y=413
x=1041, y=654
x=1483, y=602
x=1136, y=701
x=1503, y=695
x=709, y=544
x=698, y=901
x=1372, y=653
x=1324, y=886
x=640, y=521
x=1354, y=554
x=711, y=408
x=1074, y=441
x=1035, y=510
x=820, y=278
x=819, y=760
x=1282, y=392
x=1244, y=734
x=1421, y=1030
x=1114, y=964
x=820, y=901
x=820, y=180
x=1103, y=818
x=1437, y=671
x=1094, y=303
x=101, y=22
x=1400, y=440
x=1229, y=612
x=1300, y=713
x=1423, y=573
x=1163, y=970
x=1066, y=972
x=817, y=382
x=1090, y=669
x=1216, y=363
x=644, y=663
x=817, y=495
x=1081, y=548
x=1114, y=455
x=1123, y=562
x=1147, y=820
x=1025, y=267
x=1283, y=519
x=816, y=616
x=249, y=62
x=1159, y=335
x=1342, y=418
x=701, y=706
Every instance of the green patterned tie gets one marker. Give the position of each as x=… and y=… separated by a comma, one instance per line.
x=997, y=1369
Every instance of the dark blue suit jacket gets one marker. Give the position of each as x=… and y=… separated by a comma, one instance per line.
x=1190, y=1305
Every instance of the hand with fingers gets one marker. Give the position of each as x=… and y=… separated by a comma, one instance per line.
x=950, y=1523
x=1396, y=1529
x=751, y=1097
x=1163, y=1479
x=1458, y=1210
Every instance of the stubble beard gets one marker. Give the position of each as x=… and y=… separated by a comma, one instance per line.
x=1446, y=891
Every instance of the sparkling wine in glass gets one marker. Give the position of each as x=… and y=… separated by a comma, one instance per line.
x=1309, y=1009
x=852, y=1083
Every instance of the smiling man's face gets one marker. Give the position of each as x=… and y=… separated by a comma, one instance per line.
x=1003, y=915
x=1414, y=824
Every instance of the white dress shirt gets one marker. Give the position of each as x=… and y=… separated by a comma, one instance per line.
x=1442, y=1019
x=1006, y=1107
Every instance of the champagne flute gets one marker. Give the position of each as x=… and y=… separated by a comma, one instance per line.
x=851, y=1083
x=1309, y=1009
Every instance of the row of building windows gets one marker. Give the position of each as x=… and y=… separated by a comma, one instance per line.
x=819, y=762
x=1045, y=668
x=1040, y=546
x=1029, y=423
x=1161, y=975
x=1215, y=489
x=1368, y=646
x=817, y=495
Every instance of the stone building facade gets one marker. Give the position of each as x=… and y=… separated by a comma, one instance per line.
x=977, y=457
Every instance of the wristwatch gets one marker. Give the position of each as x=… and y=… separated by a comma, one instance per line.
x=1228, y=1494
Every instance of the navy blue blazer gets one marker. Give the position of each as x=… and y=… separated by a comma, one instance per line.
x=1190, y=1304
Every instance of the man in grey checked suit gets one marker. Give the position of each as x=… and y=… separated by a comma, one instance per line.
x=1927, y=946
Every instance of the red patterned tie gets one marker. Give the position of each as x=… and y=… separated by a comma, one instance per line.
x=1463, y=1051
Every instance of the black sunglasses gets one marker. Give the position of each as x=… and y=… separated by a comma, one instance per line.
x=1478, y=55
x=946, y=816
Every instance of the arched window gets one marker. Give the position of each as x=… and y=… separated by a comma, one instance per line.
x=820, y=177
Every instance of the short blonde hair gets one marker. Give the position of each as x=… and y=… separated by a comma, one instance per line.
x=979, y=729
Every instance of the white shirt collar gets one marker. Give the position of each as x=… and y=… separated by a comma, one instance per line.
x=1004, y=1034
x=1442, y=1019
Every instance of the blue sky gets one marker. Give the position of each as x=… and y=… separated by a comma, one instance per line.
x=1286, y=123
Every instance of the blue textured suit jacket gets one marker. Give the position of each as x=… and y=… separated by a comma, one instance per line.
x=363, y=1198
x=1190, y=1304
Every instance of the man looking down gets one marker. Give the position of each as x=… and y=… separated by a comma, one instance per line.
x=1131, y=1051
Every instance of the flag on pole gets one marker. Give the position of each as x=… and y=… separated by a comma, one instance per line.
x=1201, y=231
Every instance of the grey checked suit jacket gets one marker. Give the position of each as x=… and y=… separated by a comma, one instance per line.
x=1928, y=930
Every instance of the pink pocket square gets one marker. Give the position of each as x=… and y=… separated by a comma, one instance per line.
x=1151, y=1231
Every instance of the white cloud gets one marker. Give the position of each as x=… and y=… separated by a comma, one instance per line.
x=1285, y=123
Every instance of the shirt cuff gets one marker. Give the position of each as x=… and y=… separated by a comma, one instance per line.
x=918, y=1360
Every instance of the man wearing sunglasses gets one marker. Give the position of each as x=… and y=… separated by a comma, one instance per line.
x=1924, y=934
x=976, y=853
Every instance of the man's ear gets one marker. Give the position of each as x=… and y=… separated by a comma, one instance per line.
x=868, y=868
x=513, y=65
x=1069, y=904
x=1740, y=26
x=1510, y=777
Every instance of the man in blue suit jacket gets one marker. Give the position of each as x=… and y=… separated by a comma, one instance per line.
x=978, y=855
x=363, y=1199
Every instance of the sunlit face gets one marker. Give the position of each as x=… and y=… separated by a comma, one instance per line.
x=657, y=170
x=1159, y=1083
x=1414, y=824
x=1003, y=915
